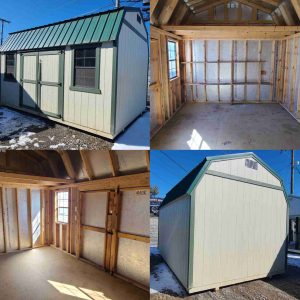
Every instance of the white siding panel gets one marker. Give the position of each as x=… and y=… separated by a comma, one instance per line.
x=239, y=232
x=29, y=71
x=29, y=94
x=131, y=77
x=87, y=109
x=174, y=236
x=237, y=167
x=49, y=99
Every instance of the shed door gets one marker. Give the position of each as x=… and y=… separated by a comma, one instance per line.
x=29, y=80
x=42, y=82
x=50, y=83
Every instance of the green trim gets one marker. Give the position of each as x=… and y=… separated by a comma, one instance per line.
x=191, y=241
x=50, y=83
x=114, y=92
x=96, y=89
x=135, y=31
x=28, y=81
x=62, y=81
x=244, y=180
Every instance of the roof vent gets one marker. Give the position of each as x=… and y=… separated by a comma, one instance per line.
x=251, y=164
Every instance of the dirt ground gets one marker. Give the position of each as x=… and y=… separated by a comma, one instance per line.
x=286, y=286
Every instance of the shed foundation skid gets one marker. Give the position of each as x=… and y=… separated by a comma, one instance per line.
x=229, y=223
x=89, y=73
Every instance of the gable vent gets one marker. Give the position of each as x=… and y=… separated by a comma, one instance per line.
x=251, y=164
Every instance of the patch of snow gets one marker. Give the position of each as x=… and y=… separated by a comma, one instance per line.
x=294, y=260
x=13, y=123
x=161, y=278
x=51, y=138
x=23, y=140
x=136, y=137
x=57, y=146
x=36, y=145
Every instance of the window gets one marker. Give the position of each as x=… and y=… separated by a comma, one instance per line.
x=233, y=4
x=251, y=164
x=139, y=19
x=172, y=48
x=62, y=207
x=85, y=68
x=10, y=67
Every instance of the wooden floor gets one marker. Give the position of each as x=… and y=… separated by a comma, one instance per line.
x=47, y=273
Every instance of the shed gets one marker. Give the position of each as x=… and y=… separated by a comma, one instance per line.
x=89, y=73
x=225, y=223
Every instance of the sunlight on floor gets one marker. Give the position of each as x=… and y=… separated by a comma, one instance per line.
x=196, y=142
x=36, y=227
x=80, y=293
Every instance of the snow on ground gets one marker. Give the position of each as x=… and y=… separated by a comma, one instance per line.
x=23, y=131
x=161, y=278
x=294, y=260
x=136, y=137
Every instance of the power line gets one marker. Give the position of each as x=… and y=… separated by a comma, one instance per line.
x=174, y=161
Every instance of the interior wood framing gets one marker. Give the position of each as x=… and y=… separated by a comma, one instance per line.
x=24, y=197
x=264, y=58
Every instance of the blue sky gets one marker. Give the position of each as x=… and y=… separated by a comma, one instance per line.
x=25, y=14
x=169, y=167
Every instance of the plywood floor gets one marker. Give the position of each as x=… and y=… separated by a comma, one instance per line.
x=47, y=273
x=224, y=126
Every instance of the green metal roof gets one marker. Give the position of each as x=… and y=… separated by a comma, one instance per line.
x=97, y=28
x=188, y=183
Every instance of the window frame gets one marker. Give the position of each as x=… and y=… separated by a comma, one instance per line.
x=96, y=89
x=57, y=207
x=6, y=77
x=176, y=60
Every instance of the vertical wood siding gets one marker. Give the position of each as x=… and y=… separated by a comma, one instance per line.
x=174, y=222
x=87, y=109
x=239, y=230
x=131, y=73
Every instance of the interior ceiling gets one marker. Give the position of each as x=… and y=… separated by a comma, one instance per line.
x=178, y=12
x=78, y=165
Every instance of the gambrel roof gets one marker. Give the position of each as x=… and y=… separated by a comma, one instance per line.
x=97, y=28
x=178, y=12
x=188, y=183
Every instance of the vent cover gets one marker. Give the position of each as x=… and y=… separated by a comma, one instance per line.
x=251, y=164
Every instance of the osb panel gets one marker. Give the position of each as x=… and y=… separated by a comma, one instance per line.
x=36, y=216
x=93, y=245
x=100, y=164
x=23, y=219
x=131, y=161
x=10, y=213
x=134, y=260
x=94, y=209
x=135, y=212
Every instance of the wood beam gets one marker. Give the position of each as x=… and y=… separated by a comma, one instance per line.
x=256, y=5
x=67, y=163
x=124, y=182
x=140, y=238
x=167, y=11
x=29, y=217
x=86, y=164
x=296, y=5
x=288, y=18
x=40, y=180
x=46, y=154
x=3, y=217
x=114, y=162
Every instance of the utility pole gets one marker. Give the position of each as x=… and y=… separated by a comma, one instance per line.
x=117, y=3
x=2, y=29
x=292, y=171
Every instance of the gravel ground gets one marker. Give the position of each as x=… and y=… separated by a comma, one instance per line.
x=19, y=130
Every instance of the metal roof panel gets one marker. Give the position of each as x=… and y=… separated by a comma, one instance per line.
x=96, y=28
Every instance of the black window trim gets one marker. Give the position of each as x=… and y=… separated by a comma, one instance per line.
x=6, y=77
x=170, y=60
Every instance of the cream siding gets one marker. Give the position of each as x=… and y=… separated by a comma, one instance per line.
x=86, y=109
x=131, y=73
x=237, y=167
x=9, y=89
x=239, y=232
x=174, y=236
